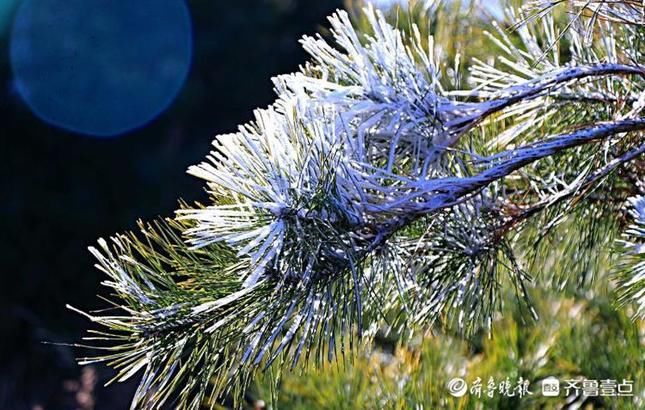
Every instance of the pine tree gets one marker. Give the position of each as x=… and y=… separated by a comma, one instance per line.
x=395, y=185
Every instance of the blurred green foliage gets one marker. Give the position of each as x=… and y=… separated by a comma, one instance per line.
x=577, y=337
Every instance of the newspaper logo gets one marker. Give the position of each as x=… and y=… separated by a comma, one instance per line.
x=550, y=387
x=457, y=387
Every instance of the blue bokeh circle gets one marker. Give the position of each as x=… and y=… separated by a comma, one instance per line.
x=100, y=67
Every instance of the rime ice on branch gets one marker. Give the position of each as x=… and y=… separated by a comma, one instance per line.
x=369, y=186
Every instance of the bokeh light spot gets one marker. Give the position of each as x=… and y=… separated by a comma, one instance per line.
x=100, y=67
x=6, y=11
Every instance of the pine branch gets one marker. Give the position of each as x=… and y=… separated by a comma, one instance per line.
x=578, y=188
x=317, y=225
x=424, y=196
x=616, y=11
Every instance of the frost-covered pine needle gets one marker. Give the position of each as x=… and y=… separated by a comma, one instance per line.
x=366, y=187
x=631, y=276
